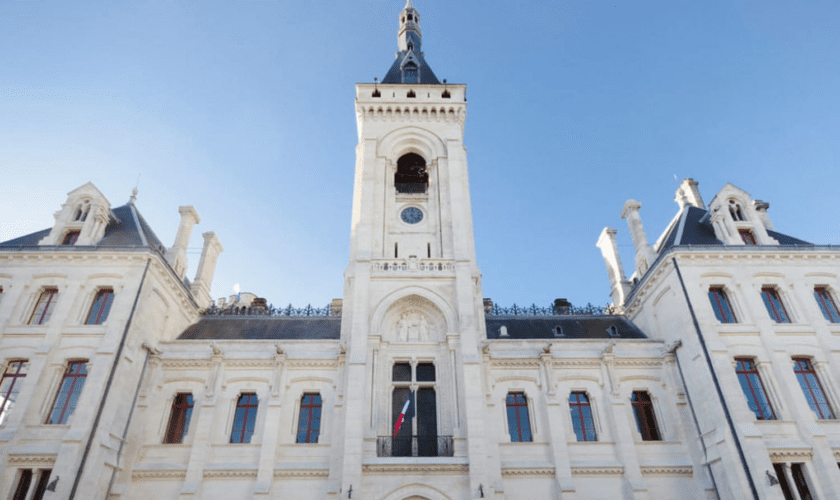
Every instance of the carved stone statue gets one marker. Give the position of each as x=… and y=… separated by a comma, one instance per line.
x=424, y=329
x=402, y=326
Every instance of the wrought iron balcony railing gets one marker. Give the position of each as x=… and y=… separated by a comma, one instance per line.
x=414, y=446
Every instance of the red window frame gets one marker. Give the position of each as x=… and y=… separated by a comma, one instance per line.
x=720, y=304
x=747, y=236
x=579, y=403
x=15, y=371
x=811, y=386
x=826, y=303
x=43, y=308
x=309, y=420
x=246, y=411
x=519, y=423
x=179, y=419
x=71, y=237
x=645, y=416
x=775, y=306
x=748, y=374
x=100, y=307
x=68, y=392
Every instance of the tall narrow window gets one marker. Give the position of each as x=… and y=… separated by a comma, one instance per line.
x=416, y=436
x=807, y=377
x=774, y=305
x=71, y=237
x=68, y=392
x=826, y=303
x=645, y=418
x=24, y=481
x=411, y=175
x=781, y=475
x=798, y=473
x=735, y=211
x=101, y=307
x=179, y=418
x=309, y=423
x=410, y=73
x=753, y=389
x=43, y=482
x=747, y=236
x=10, y=386
x=44, y=306
x=245, y=419
x=720, y=303
x=582, y=421
x=519, y=423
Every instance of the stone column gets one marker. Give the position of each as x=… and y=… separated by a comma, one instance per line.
x=177, y=254
x=644, y=253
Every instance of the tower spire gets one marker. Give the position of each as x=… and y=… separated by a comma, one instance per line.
x=410, y=66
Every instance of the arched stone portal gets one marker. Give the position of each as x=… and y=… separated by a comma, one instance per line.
x=416, y=492
x=413, y=319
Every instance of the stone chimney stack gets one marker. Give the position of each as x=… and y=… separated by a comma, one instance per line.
x=644, y=253
x=688, y=193
x=618, y=282
x=177, y=254
x=761, y=209
x=200, y=286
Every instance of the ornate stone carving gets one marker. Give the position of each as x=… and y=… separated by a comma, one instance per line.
x=413, y=319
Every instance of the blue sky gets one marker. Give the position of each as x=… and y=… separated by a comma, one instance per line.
x=244, y=109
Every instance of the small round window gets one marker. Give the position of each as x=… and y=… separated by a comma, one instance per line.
x=411, y=215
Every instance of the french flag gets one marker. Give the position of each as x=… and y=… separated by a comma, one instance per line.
x=403, y=413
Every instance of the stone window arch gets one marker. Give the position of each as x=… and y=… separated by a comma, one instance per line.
x=411, y=176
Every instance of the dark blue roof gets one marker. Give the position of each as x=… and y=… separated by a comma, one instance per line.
x=426, y=75
x=264, y=328
x=571, y=327
x=693, y=227
x=121, y=231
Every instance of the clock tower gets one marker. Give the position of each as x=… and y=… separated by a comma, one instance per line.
x=412, y=318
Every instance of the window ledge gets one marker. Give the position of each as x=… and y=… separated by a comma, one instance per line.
x=737, y=329
x=793, y=329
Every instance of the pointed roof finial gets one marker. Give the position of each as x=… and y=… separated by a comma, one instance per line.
x=409, y=4
x=133, y=196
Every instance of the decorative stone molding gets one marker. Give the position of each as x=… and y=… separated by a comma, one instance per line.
x=33, y=459
x=415, y=468
x=649, y=362
x=426, y=113
x=668, y=470
x=312, y=363
x=516, y=363
x=158, y=474
x=302, y=473
x=249, y=363
x=515, y=472
x=616, y=470
x=186, y=364
x=790, y=454
x=230, y=473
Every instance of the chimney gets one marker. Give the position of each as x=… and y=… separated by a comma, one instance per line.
x=688, y=194
x=761, y=209
x=618, y=281
x=644, y=253
x=177, y=254
x=562, y=306
x=488, y=306
x=200, y=286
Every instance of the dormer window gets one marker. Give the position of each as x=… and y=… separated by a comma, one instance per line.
x=411, y=176
x=747, y=236
x=736, y=212
x=71, y=237
x=410, y=73
x=82, y=212
x=410, y=18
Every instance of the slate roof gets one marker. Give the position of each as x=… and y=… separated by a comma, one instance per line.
x=122, y=231
x=264, y=328
x=693, y=227
x=572, y=327
x=394, y=74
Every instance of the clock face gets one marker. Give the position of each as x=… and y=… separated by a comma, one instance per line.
x=411, y=215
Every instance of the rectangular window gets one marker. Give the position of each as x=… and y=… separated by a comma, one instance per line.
x=23, y=484
x=519, y=423
x=101, y=307
x=43, y=482
x=44, y=306
x=747, y=236
x=720, y=303
x=753, y=389
x=798, y=473
x=783, y=482
x=71, y=237
x=309, y=423
x=645, y=418
x=827, y=305
x=582, y=420
x=416, y=436
x=68, y=392
x=179, y=419
x=807, y=377
x=10, y=386
x=774, y=305
x=245, y=419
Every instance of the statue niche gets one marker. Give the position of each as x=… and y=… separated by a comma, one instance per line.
x=413, y=319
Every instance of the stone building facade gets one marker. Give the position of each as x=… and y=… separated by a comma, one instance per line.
x=712, y=375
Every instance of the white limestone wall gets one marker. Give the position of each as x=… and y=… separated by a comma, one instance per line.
x=796, y=436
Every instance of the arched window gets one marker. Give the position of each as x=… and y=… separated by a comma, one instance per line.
x=735, y=211
x=411, y=176
x=410, y=71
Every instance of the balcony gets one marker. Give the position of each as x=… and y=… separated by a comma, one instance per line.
x=414, y=446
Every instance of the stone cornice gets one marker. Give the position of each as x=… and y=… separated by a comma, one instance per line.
x=230, y=473
x=302, y=473
x=157, y=474
x=34, y=459
x=667, y=470
x=790, y=454
x=532, y=363
x=412, y=468
x=527, y=471
x=615, y=470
